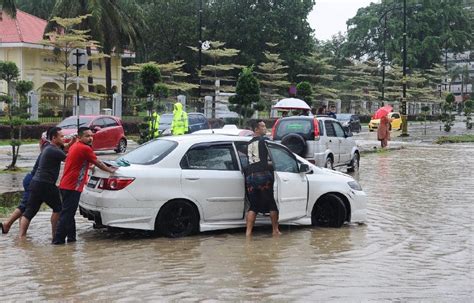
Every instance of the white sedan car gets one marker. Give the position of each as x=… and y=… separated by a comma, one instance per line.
x=185, y=184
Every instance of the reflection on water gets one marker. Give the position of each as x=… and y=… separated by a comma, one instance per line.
x=417, y=245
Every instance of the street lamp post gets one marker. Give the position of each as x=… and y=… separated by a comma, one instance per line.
x=404, y=96
x=200, y=49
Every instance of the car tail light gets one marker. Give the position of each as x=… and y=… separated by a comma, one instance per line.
x=115, y=183
x=316, y=128
x=274, y=128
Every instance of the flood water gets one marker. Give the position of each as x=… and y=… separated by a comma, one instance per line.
x=416, y=246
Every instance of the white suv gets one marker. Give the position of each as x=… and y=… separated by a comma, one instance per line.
x=320, y=140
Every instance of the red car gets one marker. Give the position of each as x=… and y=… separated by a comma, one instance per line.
x=108, y=131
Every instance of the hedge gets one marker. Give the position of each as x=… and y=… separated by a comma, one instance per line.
x=132, y=128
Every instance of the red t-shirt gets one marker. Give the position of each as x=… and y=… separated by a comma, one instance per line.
x=78, y=160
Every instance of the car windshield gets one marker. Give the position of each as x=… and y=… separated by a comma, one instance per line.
x=343, y=117
x=166, y=118
x=291, y=126
x=149, y=153
x=71, y=122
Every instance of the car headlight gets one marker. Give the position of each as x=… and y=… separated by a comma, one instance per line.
x=354, y=185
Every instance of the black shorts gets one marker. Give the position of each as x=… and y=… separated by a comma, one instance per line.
x=259, y=190
x=42, y=192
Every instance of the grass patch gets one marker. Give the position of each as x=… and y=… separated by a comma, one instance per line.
x=18, y=170
x=6, y=210
x=455, y=139
x=134, y=138
x=4, y=142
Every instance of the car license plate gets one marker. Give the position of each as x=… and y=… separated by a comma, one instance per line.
x=93, y=182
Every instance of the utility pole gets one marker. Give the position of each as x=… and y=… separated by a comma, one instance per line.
x=404, y=96
x=200, y=50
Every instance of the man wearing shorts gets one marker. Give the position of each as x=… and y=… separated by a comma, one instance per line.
x=79, y=158
x=43, y=185
x=259, y=180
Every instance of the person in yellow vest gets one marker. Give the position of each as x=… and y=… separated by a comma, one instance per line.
x=179, y=125
x=153, y=125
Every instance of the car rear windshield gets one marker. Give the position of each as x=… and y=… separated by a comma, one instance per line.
x=166, y=118
x=71, y=122
x=149, y=153
x=304, y=127
x=343, y=117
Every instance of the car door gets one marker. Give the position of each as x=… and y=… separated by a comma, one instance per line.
x=333, y=141
x=98, y=127
x=211, y=177
x=345, y=145
x=396, y=120
x=113, y=130
x=291, y=186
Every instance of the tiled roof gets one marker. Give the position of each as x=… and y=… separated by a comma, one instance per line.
x=25, y=28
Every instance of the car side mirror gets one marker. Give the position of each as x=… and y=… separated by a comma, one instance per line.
x=304, y=168
x=96, y=129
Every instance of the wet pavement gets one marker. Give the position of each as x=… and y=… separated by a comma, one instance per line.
x=416, y=246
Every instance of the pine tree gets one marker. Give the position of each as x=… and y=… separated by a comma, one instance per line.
x=272, y=76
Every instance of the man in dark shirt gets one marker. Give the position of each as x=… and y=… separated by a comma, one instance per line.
x=43, y=185
x=18, y=212
x=259, y=180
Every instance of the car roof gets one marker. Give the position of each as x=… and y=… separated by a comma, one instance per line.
x=94, y=116
x=198, y=138
x=192, y=113
x=320, y=117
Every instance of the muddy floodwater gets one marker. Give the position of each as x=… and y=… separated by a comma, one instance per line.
x=416, y=246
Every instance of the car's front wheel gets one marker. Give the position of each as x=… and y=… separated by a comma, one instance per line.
x=329, y=211
x=121, y=146
x=354, y=166
x=177, y=219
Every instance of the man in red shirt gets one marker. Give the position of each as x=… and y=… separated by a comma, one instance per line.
x=78, y=161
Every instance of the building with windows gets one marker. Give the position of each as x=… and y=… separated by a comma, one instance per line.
x=20, y=42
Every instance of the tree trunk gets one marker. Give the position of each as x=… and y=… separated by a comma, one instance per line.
x=108, y=80
x=90, y=79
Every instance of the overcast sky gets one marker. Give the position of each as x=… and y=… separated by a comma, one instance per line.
x=329, y=16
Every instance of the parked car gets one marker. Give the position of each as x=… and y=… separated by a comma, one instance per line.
x=350, y=121
x=229, y=129
x=396, y=122
x=108, y=131
x=180, y=185
x=196, y=121
x=320, y=140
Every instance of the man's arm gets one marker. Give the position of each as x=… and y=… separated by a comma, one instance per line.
x=104, y=167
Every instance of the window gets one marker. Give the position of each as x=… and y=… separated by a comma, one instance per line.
x=339, y=130
x=210, y=157
x=304, y=127
x=242, y=152
x=395, y=116
x=99, y=122
x=149, y=153
x=109, y=122
x=283, y=161
x=329, y=129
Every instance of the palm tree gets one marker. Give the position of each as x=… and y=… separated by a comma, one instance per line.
x=9, y=7
x=110, y=24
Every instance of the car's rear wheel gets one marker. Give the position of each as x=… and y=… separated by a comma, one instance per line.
x=121, y=146
x=329, y=163
x=329, y=211
x=296, y=143
x=177, y=219
x=354, y=166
